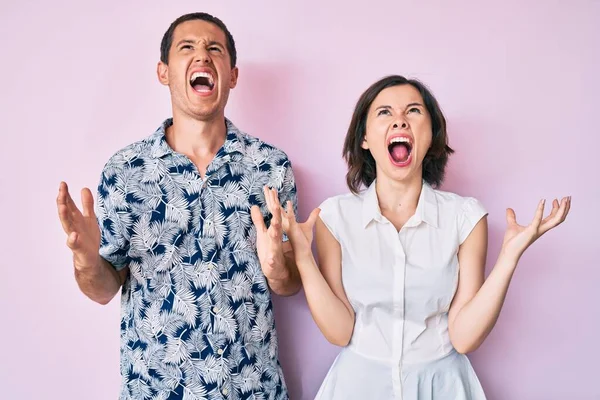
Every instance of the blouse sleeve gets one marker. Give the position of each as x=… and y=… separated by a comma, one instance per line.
x=469, y=215
x=329, y=214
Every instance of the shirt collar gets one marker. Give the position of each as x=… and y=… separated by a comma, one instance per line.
x=160, y=148
x=427, y=207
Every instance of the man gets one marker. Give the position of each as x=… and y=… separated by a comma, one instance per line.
x=179, y=229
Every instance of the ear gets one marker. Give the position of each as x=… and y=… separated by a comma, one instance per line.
x=162, y=71
x=234, y=77
x=364, y=144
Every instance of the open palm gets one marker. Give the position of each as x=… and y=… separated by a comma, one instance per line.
x=83, y=233
x=300, y=234
x=269, y=240
x=518, y=238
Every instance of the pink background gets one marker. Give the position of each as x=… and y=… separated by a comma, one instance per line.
x=518, y=81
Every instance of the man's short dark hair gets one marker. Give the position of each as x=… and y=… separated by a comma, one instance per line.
x=167, y=39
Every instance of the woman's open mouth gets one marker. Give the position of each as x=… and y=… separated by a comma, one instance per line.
x=400, y=150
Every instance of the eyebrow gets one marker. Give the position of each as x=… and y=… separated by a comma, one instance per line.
x=185, y=41
x=407, y=106
x=190, y=41
x=214, y=42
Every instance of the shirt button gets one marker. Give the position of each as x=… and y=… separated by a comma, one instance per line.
x=225, y=391
x=220, y=352
x=216, y=310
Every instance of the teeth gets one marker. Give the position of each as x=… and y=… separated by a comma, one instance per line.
x=400, y=140
x=202, y=74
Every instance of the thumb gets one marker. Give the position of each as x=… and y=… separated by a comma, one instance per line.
x=73, y=241
x=257, y=219
x=312, y=218
x=511, y=218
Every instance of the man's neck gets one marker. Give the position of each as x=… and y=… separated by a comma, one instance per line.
x=196, y=138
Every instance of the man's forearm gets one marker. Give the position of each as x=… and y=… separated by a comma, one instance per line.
x=99, y=283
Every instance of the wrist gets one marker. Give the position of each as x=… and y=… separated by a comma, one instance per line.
x=303, y=256
x=277, y=275
x=87, y=265
x=508, y=259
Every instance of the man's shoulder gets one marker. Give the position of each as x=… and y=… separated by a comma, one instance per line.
x=254, y=146
x=137, y=152
x=254, y=141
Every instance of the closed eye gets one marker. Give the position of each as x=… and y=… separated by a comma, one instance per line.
x=187, y=47
x=213, y=48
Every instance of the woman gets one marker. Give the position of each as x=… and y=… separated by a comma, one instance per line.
x=401, y=278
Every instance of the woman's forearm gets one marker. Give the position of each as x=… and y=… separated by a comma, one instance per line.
x=476, y=319
x=333, y=318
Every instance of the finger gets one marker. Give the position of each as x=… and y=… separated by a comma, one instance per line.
x=267, y=193
x=275, y=227
x=275, y=208
x=511, y=218
x=73, y=209
x=67, y=210
x=275, y=198
x=64, y=197
x=539, y=214
x=568, y=206
x=276, y=220
x=63, y=191
x=555, y=207
x=87, y=202
x=65, y=218
x=290, y=210
x=276, y=231
x=565, y=208
x=268, y=197
x=562, y=212
x=288, y=217
x=257, y=219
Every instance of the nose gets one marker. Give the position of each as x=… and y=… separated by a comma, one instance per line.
x=400, y=124
x=202, y=57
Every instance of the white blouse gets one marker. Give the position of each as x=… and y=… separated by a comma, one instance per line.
x=400, y=285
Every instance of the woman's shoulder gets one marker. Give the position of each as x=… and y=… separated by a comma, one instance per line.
x=342, y=200
x=453, y=201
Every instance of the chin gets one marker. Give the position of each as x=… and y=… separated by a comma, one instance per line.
x=204, y=113
x=399, y=175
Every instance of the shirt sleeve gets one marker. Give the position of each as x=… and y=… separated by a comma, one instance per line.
x=113, y=213
x=470, y=213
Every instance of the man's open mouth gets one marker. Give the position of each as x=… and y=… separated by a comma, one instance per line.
x=202, y=82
